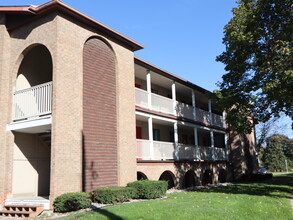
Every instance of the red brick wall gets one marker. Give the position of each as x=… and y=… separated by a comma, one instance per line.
x=99, y=116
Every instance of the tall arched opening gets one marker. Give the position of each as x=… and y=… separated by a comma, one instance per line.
x=32, y=145
x=207, y=177
x=189, y=179
x=222, y=176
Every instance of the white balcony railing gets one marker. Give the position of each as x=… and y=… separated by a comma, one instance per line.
x=33, y=102
x=160, y=151
x=163, y=150
x=203, y=116
x=205, y=153
x=165, y=105
x=220, y=153
x=162, y=104
x=143, y=149
x=218, y=120
x=141, y=97
x=184, y=110
x=166, y=151
x=187, y=152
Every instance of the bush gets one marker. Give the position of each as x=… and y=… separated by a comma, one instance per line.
x=72, y=202
x=149, y=189
x=112, y=195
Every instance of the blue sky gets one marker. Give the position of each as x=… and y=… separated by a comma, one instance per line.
x=181, y=36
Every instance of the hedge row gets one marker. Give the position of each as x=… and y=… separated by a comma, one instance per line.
x=112, y=195
x=142, y=189
x=72, y=202
x=148, y=189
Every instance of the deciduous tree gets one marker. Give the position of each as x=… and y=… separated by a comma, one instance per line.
x=259, y=62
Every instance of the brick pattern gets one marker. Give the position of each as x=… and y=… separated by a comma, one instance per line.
x=99, y=116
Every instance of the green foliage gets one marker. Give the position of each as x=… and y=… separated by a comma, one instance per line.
x=149, y=189
x=72, y=202
x=259, y=62
x=287, y=146
x=113, y=195
x=267, y=200
x=274, y=157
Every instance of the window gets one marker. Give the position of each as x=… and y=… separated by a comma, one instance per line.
x=156, y=134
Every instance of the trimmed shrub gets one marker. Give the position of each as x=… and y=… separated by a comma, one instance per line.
x=72, y=202
x=149, y=189
x=112, y=195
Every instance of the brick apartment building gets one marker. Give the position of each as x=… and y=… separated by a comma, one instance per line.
x=79, y=111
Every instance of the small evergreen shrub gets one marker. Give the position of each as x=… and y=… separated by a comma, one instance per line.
x=113, y=195
x=72, y=202
x=149, y=189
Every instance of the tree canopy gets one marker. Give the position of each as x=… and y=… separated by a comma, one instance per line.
x=279, y=148
x=258, y=60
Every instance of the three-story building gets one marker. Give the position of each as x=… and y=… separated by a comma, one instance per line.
x=79, y=111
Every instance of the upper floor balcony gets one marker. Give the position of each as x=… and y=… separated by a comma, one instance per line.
x=167, y=105
x=32, y=99
x=32, y=102
x=162, y=94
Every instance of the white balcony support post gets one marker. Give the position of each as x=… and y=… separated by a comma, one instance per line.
x=196, y=144
x=212, y=145
x=210, y=112
x=176, y=141
x=193, y=104
x=149, y=88
x=174, y=98
x=226, y=148
x=224, y=119
x=151, y=139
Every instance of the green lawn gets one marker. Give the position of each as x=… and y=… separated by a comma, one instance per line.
x=266, y=200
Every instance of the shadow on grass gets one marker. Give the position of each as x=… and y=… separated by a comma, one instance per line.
x=107, y=214
x=279, y=186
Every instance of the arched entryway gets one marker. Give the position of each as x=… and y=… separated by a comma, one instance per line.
x=169, y=177
x=141, y=176
x=207, y=177
x=222, y=176
x=189, y=179
x=32, y=100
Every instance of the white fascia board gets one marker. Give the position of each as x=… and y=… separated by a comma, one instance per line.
x=28, y=126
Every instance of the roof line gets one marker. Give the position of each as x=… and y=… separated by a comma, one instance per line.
x=169, y=75
x=59, y=5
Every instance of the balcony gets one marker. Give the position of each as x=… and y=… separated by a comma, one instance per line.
x=166, y=105
x=218, y=120
x=159, y=151
x=184, y=110
x=166, y=151
x=162, y=104
x=203, y=116
x=32, y=102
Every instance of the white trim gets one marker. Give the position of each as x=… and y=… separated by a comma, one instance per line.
x=32, y=123
x=176, y=141
x=151, y=138
x=174, y=98
x=149, y=88
x=179, y=122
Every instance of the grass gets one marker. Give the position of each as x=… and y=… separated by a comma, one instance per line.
x=266, y=200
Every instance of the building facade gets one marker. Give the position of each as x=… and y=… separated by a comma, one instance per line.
x=79, y=111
